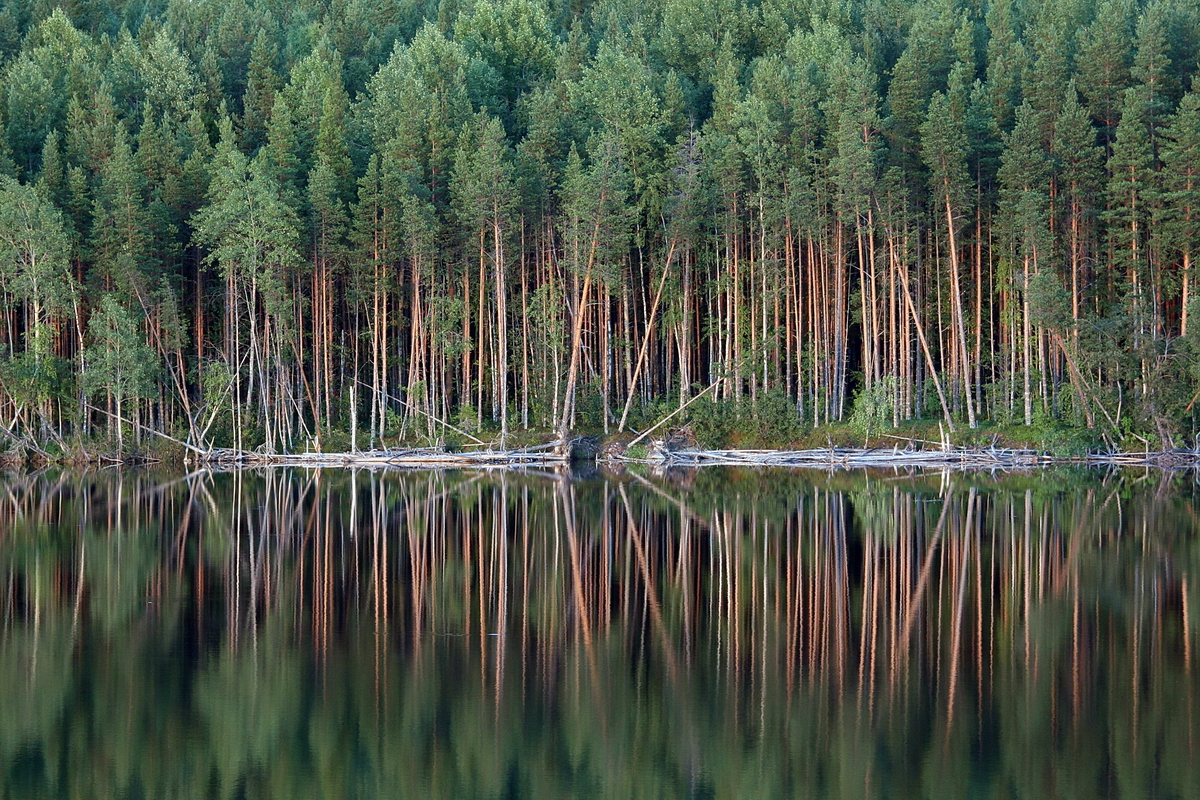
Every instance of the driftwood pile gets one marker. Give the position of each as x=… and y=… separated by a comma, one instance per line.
x=681, y=451
x=941, y=458
x=419, y=458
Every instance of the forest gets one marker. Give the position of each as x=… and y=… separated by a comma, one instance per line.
x=342, y=224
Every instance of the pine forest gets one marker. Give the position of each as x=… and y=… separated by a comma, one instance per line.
x=341, y=223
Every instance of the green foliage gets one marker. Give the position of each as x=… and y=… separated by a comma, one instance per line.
x=513, y=37
x=118, y=361
x=772, y=421
x=1049, y=302
x=251, y=235
x=29, y=380
x=596, y=224
x=34, y=266
x=637, y=451
x=1061, y=438
x=874, y=407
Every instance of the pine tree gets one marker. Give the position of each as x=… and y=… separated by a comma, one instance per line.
x=1105, y=47
x=484, y=198
x=1181, y=201
x=1007, y=60
x=944, y=148
x=161, y=165
x=1024, y=204
x=262, y=82
x=513, y=38
x=373, y=238
x=1078, y=164
x=1132, y=192
x=52, y=180
x=172, y=85
x=31, y=110
x=1048, y=74
x=416, y=106
x=327, y=224
x=619, y=95
x=853, y=109
x=1152, y=63
x=596, y=225
x=283, y=153
x=120, y=224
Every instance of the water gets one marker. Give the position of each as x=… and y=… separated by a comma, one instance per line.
x=721, y=634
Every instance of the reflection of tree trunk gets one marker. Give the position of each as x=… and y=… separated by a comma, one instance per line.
x=964, y=548
x=656, y=616
x=566, y=495
x=914, y=601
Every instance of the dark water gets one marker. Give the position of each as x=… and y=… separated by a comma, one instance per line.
x=297, y=634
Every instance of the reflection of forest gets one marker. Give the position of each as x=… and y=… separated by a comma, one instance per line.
x=317, y=634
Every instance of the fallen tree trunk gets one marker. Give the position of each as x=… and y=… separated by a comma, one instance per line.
x=990, y=458
x=421, y=457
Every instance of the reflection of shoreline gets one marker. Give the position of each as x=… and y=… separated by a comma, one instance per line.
x=881, y=632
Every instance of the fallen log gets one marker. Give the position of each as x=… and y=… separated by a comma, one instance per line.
x=420, y=457
x=989, y=458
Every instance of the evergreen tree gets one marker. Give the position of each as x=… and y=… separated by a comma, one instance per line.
x=619, y=95
x=1132, y=193
x=596, y=225
x=1181, y=201
x=120, y=224
x=416, y=105
x=262, y=82
x=161, y=166
x=944, y=149
x=1152, y=63
x=484, y=198
x=1104, y=59
x=172, y=85
x=1024, y=203
x=513, y=38
x=1050, y=67
x=1078, y=164
x=31, y=111
x=811, y=199
x=1007, y=60
x=248, y=231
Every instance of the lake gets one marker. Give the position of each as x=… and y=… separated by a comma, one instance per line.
x=695, y=634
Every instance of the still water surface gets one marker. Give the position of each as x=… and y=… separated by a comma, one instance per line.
x=721, y=634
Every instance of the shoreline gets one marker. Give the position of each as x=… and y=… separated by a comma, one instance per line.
x=951, y=458
x=665, y=452
x=962, y=458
